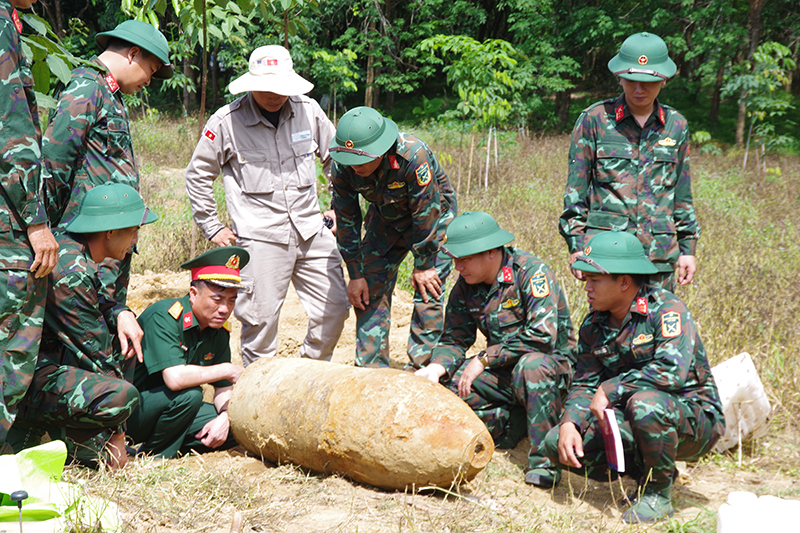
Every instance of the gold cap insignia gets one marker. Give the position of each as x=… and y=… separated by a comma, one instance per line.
x=233, y=262
x=642, y=60
x=348, y=143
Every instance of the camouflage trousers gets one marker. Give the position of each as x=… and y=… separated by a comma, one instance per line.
x=77, y=403
x=21, y=318
x=373, y=323
x=657, y=429
x=166, y=422
x=538, y=383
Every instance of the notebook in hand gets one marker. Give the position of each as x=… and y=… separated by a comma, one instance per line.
x=615, y=456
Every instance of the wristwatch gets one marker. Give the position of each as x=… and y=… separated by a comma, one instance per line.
x=483, y=357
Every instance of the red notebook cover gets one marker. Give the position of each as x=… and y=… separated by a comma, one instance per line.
x=615, y=457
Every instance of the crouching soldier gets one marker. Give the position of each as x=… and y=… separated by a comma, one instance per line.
x=79, y=393
x=187, y=344
x=639, y=354
x=518, y=381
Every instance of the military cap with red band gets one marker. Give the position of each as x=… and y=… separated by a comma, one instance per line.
x=219, y=266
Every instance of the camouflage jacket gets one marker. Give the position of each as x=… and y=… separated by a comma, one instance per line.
x=20, y=138
x=523, y=311
x=656, y=348
x=631, y=178
x=88, y=141
x=173, y=337
x=78, y=329
x=410, y=199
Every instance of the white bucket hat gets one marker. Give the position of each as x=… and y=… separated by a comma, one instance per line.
x=271, y=70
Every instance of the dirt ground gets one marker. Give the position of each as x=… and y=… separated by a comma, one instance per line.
x=286, y=498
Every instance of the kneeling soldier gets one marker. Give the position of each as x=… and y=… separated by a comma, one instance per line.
x=638, y=353
x=187, y=344
x=516, y=302
x=79, y=393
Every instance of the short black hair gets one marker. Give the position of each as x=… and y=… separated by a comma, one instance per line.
x=638, y=279
x=115, y=44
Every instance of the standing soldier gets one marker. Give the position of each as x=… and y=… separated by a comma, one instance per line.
x=79, y=390
x=29, y=251
x=514, y=299
x=639, y=354
x=411, y=203
x=629, y=167
x=88, y=141
x=265, y=145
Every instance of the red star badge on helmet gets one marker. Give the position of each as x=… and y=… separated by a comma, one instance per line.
x=643, y=60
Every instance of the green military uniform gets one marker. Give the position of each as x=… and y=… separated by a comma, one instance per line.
x=411, y=203
x=22, y=299
x=79, y=388
x=525, y=317
x=632, y=178
x=654, y=371
x=167, y=421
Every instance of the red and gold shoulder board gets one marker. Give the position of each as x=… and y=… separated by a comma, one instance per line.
x=227, y=326
x=670, y=324
x=175, y=310
x=661, y=115
x=17, y=22
x=393, y=162
x=508, y=274
x=641, y=305
x=187, y=320
x=423, y=173
x=619, y=113
x=112, y=82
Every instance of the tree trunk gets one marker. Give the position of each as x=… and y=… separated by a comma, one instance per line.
x=741, y=119
x=562, y=108
x=754, y=29
x=215, y=78
x=368, y=93
x=204, y=71
x=713, y=115
x=471, y=151
x=286, y=31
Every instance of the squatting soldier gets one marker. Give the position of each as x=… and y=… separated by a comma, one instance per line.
x=629, y=167
x=28, y=251
x=638, y=353
x=186, y=345
x=88, y=141
x=411, y=203
x=266, y=145
x=79, y=392
x=516, y=302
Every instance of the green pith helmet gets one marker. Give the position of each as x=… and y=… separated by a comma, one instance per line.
x=472, y=233
x=643, y=57
x=362, y=135
x=111, y=206
x=220, y=266
x=614, y=252
x=144, y=36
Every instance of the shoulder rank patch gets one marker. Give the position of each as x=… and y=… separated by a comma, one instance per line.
x=423, y=173
x=393, y=162
x=187, y=320
x=175, y=310
x=642, y=339
x=661, y=115
x=397, y=185
x=670, y=324
x=17, y=22
x=112, y=82
x=508, y=274
x=208, y=357
x=539, y=286
x=511, y=302
x=619, y=113
x=641, y=305
x=208, y=134
x=669, y=141
x=227, y=326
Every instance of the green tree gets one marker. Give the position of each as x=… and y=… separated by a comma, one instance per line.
x=336, y=72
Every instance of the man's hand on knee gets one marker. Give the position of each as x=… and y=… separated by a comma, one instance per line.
x=215, y=433
x=570, y=445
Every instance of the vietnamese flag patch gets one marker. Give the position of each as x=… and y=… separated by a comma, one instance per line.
x=210, y=135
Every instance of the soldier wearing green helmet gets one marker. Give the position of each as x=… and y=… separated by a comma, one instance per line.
x=517, y=383
x=629, y=167
x=79, y=392
x=639, y=355
x=411, y=203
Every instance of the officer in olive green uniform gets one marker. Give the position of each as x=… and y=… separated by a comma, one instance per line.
x=187, y=344
x=514, y=299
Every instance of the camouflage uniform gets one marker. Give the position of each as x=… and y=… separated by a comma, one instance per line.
x=22, y=300
x=79, y=388
x=167, y=421
x=525, y=316
x=656, y=376
x=411, y=203
x=88, y=143
x=634, y=179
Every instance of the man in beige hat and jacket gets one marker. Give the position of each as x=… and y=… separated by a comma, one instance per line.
x=264, y=144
